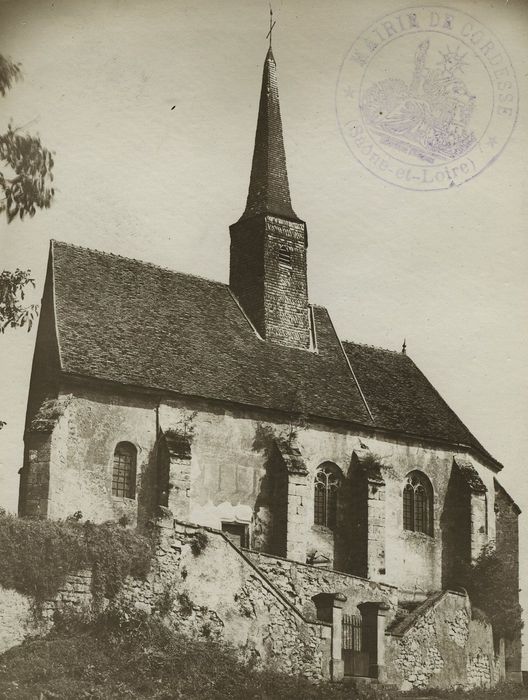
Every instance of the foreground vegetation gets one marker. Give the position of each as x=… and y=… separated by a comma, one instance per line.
x=37, y=555
x=139, y=658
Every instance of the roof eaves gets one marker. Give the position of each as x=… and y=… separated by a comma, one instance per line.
x=509, y=498
x=159, y=391
x=54, y=302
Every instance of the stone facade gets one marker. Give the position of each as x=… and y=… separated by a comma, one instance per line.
x=223, y=466
x=302, y=582
x=216, y=593
x=283, y=614
x=232, y=471
x=440, y=645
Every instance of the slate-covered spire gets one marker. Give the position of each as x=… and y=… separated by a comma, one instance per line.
x=267, y=270
x=269, y=191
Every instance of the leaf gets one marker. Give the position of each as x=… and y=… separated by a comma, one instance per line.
x=9, y=73
x=13, y=313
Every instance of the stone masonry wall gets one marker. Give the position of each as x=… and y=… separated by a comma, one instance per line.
x=507, y=543
x=286, y=288
x=246, y=270
x=263, y=606
x=230, y=479
x=441, y=646
x=216, y=593
x=273, y=295
x=300, y=582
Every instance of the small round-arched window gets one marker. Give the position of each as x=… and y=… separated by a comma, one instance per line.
x=285, y=257
x=326, y=487
x=418, y=503
x=124, y=470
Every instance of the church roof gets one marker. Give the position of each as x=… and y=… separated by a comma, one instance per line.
x=269, y=190
x=133, y=323
x=401, y=398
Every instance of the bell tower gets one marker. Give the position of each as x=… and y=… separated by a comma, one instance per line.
x=268, y=243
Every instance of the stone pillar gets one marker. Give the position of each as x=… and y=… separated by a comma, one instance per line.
x=34, y=493
x=479, y=517
x=374, y=617
x=296, y=517
x=375, y=526
x=179, y=497
x=477, y=505
x=330, y=609
x=296, y=499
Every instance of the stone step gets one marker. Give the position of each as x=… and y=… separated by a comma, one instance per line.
x=360, y=680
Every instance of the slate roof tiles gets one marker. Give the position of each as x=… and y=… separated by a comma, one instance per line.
x=137, y=324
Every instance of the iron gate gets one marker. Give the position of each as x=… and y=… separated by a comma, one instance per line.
x=356, y=659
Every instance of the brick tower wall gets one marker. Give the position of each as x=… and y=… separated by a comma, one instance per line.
x=274, y=294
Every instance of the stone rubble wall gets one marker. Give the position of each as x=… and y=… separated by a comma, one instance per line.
x=215, y=593
x=20, y=620
x=300, y=582
x=16, y=621
x=262, y=605
x=442, y=647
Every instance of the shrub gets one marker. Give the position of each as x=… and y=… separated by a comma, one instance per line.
x=199, y=542
x=75, y=517
x=186, y=604
x=491, y=584
x=115, y=553
x=138, y=657
x=38, y=555
x=165, y=602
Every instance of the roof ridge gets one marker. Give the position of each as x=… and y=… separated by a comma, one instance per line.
x=374, y=347
x=351, y=369
x=53, y=241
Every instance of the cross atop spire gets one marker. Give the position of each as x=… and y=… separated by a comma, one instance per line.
x=269, y=190
x=272, y=24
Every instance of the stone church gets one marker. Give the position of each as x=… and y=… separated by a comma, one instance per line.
x=238, y=408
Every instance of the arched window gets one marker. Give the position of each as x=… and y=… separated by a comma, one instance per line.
x=124, y=471
x=418, y=504
x=326, y=486
x=285, y=257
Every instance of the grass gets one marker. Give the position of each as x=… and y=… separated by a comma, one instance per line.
x=505, y=691
x=140, y=658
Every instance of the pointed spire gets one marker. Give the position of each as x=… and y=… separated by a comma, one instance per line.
x=404, y=347
x=269, y=190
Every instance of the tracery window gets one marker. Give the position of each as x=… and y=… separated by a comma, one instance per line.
x=326, y=487
x=124, y=471
x=418, y=503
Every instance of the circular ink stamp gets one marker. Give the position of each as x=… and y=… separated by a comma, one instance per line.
x=426, y=98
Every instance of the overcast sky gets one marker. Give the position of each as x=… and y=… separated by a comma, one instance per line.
x=150, y=108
